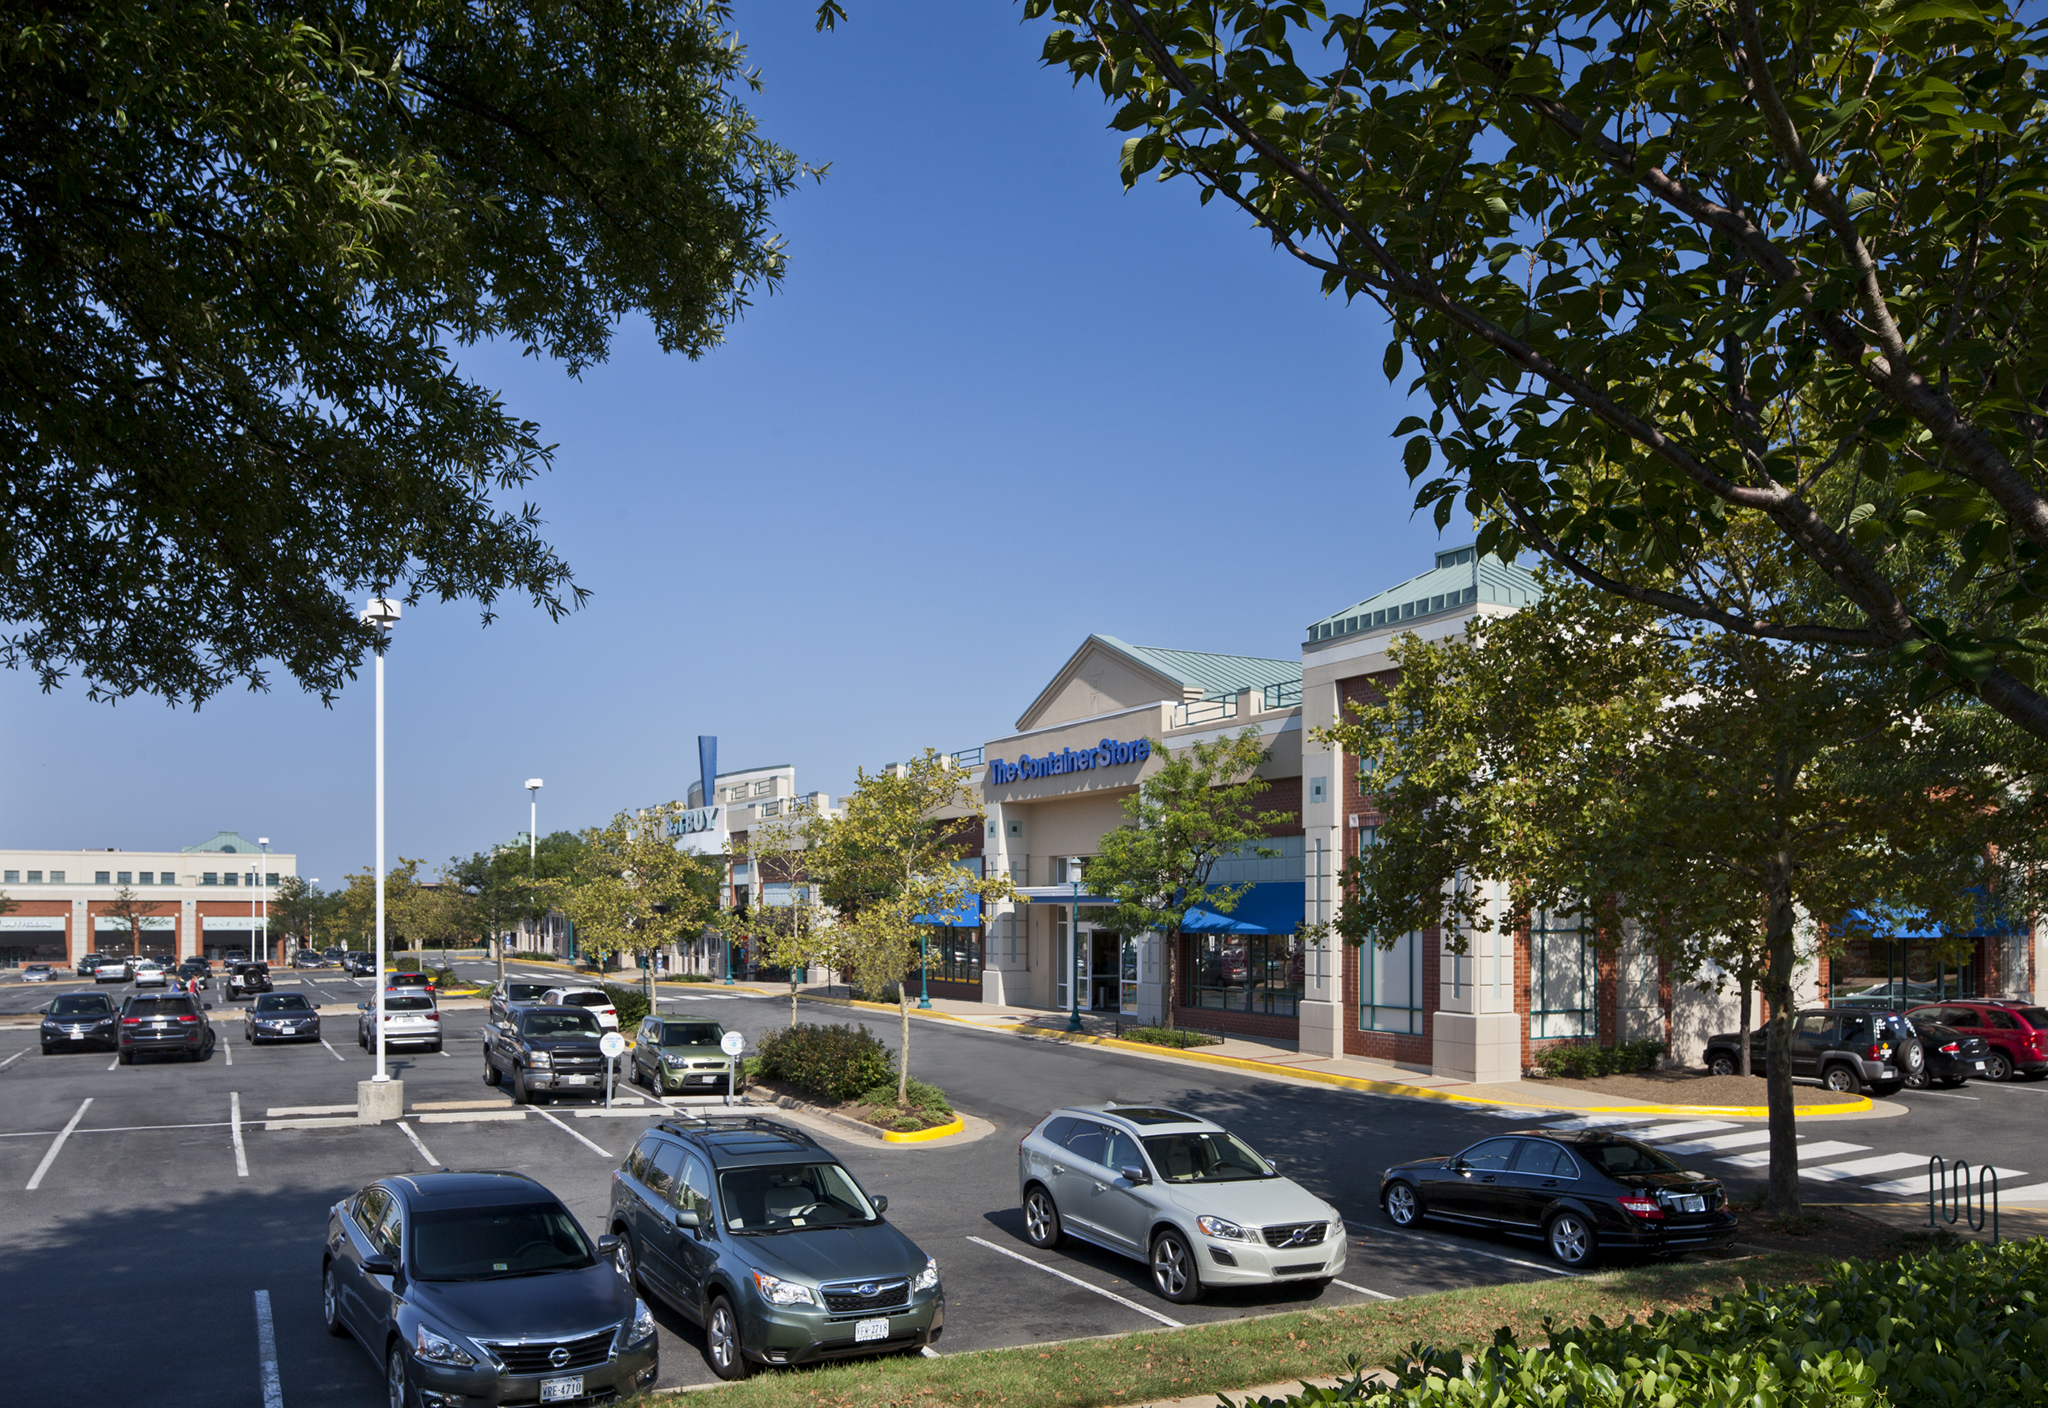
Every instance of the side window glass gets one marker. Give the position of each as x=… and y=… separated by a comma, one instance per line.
x=1491, y=1155
x=368, y=1211
x=693, y=1189
x=636, y=1161
x=1120, y=1151
x=1056, y=1131
x=2001, y=1020
x=1086, y=1141
x=391, y=1231
x=1813, y=1024
x=661, y=1177
x=1537, y=1158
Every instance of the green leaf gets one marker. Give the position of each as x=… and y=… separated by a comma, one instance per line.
x=1390, y=362
x=1415, y=456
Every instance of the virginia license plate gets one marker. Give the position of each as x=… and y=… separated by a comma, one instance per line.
x=561, y=1390
x=865, y=1330
x=578, y=1080
x=1690, y=1202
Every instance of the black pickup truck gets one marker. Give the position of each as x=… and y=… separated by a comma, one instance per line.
x=545, y=1052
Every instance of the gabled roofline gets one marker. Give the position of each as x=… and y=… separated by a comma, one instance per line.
x=1177, y=690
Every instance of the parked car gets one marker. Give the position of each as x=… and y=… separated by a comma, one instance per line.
x=1580, y=1194
x=200, y=968
x=359, y=964
x=596, y=1000
x=670, y=1056
x=307, y=958
x=511, y=991
x=241, y=979
x=2014, y=1033
x=112, y=968
x=410, y=1019
x=1951, y=1057
x=1180, y=1193
x=418, y=982
x=281, y=1016
x=38, y=973
x=171, y=1024
x=481, y=1288
x=755, y=1231
x=1845, y=1049
x=333, y=955
x=78, y=1019
x=86, y=963
x=150, y=974
x=544, y=1052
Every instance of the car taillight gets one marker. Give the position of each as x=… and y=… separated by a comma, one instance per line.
x=131, y=1021
x=1877, y=1051
x=433, y=1016
x=1640, y=1205
x=188, y=1017
x=1951, y=1049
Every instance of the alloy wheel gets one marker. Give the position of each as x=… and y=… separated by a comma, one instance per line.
x=1839, y=1078
x=1173, y=1268
x=330, y=1303
x=1571, y=1240
x=1997, y=1066
x=722, y=1338
x=394, y=1377
x=1041, y=1219
x=1722, y=1066
x=1916, y=1078
x=1403, y=1209
x=622, y=1257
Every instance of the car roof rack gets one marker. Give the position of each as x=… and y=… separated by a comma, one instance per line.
x=712, y=1124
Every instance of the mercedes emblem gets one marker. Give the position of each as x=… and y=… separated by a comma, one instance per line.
x=559, y=1356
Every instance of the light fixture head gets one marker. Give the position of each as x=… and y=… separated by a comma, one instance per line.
x=532, y=783
x=381, y=611
x=262, y=840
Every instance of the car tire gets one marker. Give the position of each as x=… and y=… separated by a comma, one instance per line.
x=1042, y=1219
x=1916, y=1079
x=1570, y=1239
x=1887, y=1088
x=2034, y=1075
x=435, y=1047
x=362, y=1040
x=398, y=1391
x=330, y=1303
x=1955, y=1082
x=520, y=1094
x=1841, y=1079
x=722, y=1343
x=1997, y=1066
x=1403, y=1204
x=1721, y=1064
x=492, y=1075
x=1912, y=1058
x=1173, y=1268
x=626, y=1257
x=49, y=1050
x=126, y=1058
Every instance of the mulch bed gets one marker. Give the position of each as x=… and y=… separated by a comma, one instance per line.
x=1693, y=1088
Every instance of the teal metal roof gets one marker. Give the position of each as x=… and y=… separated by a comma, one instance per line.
x=226, y=843
x=1460, y=578
x=1217, y=676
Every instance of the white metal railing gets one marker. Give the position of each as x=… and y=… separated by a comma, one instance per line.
x=1203, y=711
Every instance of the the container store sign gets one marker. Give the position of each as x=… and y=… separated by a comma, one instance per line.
x=1109, y=753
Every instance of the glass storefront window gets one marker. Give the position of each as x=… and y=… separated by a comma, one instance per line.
x=1243, y=973
x=1897, y=974
x=954, y=955
x=1562, y=975
x=1390, y=986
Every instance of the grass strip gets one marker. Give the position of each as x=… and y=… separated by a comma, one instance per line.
x=1225, y=1356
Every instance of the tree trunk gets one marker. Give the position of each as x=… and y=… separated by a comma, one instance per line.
x=903, y=1057
x=1742, y=1031
x=1172, y=942
x=1784, y=1193
x=792, y=997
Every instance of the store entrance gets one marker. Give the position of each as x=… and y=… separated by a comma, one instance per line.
x=1105, y=970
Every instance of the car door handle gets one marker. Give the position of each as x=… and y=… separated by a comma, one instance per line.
x=1059, y=1168
x=1489, y=1178
x=1550, y=1183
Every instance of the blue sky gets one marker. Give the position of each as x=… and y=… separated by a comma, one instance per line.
x=998, y=404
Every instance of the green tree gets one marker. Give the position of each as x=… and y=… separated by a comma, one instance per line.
x=634, y=892
x=887, y=863
x=242, y=242
x=355, y=910
x=300, y=908
x=1191, y=812
x=1666, y=273
x=793, y=935
x=1590, y=755
x=131, y=909
x=440, y=912
x=502, y=880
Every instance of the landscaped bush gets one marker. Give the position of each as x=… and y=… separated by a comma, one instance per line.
x=837, y=1062
x=1579, y=1060
x=928, y=1107
x=1963, y=1327
x=632, y=1005
x=686, y=978
x=1179, y=1038
x=531, y=955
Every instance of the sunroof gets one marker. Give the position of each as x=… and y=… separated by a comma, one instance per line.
x=1145, y=1114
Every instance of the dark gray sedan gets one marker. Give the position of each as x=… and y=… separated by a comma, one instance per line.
x=281, y=1016
x=481, y=1288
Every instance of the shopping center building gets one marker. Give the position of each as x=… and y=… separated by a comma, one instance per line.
x=210, y=899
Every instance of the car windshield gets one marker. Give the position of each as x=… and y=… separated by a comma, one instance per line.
x=1625, y=1156
x=788, y=1197
x=79, y=1004
x=484, y=1244
x=1205, y=1156
x=691, y=1033
x=561, y=1024
x=283, y=1002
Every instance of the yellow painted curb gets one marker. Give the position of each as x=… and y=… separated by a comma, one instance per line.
x=1419, y=1092
x=919, y=1136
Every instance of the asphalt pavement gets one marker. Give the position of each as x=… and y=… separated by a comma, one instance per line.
x=166, y=1196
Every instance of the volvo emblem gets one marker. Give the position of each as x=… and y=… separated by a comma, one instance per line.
x=559, y=1356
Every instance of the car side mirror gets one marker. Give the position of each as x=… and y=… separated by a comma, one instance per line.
x=379, y=1266
x=207, y=1006
x=687, y=1217
x=45, y=1009
x=606, y=1245
x=362, y=1007
x=881, y=1202
x=1458, y=1165
x=1134, y=1173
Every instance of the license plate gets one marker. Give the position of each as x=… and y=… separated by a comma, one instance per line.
x=578, y=1080
x=865, y=1330
x=1690, y=1202
x=561, y=1390
x=1979, y=1065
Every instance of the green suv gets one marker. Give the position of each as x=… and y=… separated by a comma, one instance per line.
x=671, y=1056
x=756, y=1232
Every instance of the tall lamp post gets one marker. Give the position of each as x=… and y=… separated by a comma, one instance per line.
x=532, y=849
x=262, y=870
x=1074, y=944
x=385, y=1098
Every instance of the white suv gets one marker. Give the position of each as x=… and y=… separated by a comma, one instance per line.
x=410, y=1019
x=150, y=974
x=596, y=1001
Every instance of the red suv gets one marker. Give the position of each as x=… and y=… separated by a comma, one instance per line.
x=2015, y=1032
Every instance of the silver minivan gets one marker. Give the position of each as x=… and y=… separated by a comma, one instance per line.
x=1180, y=1193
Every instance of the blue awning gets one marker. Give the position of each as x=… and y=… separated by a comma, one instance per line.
x=1269, y=907
x=965, y=915
x=1915, y=924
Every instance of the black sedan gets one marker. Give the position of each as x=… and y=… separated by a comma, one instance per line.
x=79, y=1021
x=1951, y=1057
x=281, y=1016
x=480, y=1288
x=1580, y=1194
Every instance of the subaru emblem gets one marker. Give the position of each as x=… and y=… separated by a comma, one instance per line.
x=559, y=1356
x=867, y=1288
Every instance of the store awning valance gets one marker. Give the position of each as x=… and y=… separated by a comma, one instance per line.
x=1915, y=924
x=1269, y=907
x=1057, y=894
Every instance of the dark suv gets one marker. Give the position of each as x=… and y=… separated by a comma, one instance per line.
x=1844, y=1048
x=171, y=1024
x=78, y=1019
x=2015, y=1032
x=758, y=1233
x=242, y=979
x=545, y=1051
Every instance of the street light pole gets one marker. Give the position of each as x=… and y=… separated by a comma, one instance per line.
x=924, y=964
x=533, y=785
x=380, y=612
x=262, y=871
x=1074, y=944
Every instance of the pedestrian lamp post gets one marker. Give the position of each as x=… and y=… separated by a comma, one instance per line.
x=383, y=1098
x=262, y=874
x=533, y=785
x=1074, y=943
x=924, y=963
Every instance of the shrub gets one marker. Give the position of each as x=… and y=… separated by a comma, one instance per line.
x=687, y=978
x=836, y=1062
x=1580, y=1060
x=631, y=1002
x=533, y=955
x=1179, y=1038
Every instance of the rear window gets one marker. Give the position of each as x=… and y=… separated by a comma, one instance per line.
x=160, y=1007
x=1625, y=1156
x=585, y=999
x=408, y=1004
x=79, y=1004
x=525, y=992
x=2033, y=1016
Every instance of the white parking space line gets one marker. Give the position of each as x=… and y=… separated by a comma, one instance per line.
x=12, y=1059
x=113, y=1063
x=1363, y=1290
x=1947, y=1095
x=594, y=1148
x=406, y=1129
x=331, y=1051
x=927, y=1352
x=2024, y=1195
x=266, y=1353
x=235, y=1123
x=228, y=1050
x=1863, y=1168
x=1827, y=1149
x=1459, y=1247
x=35, y=1180
x=1166, y=1320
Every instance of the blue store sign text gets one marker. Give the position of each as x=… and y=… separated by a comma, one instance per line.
x=1109, y=753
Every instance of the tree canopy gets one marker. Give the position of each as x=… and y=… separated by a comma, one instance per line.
x=1666, y=270
x=239, y=244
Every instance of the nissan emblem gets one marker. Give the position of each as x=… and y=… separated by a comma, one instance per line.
x=559, y=1356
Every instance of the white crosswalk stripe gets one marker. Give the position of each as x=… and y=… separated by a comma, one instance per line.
x=1826, y=1149
x=1865, y=1168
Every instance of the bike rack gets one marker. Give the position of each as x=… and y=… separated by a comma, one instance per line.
x=1948, y=1187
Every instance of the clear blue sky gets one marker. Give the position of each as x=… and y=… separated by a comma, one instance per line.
x=998, y=404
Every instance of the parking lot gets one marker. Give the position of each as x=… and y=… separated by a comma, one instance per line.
x=150, y=1206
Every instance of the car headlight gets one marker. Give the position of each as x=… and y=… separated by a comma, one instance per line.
x=439, y=1349
x=539, y=1058
x=675, y=1060
x=639, y=1327
x=927, y=1279
x=777, y=1291
x=1221, y=1227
